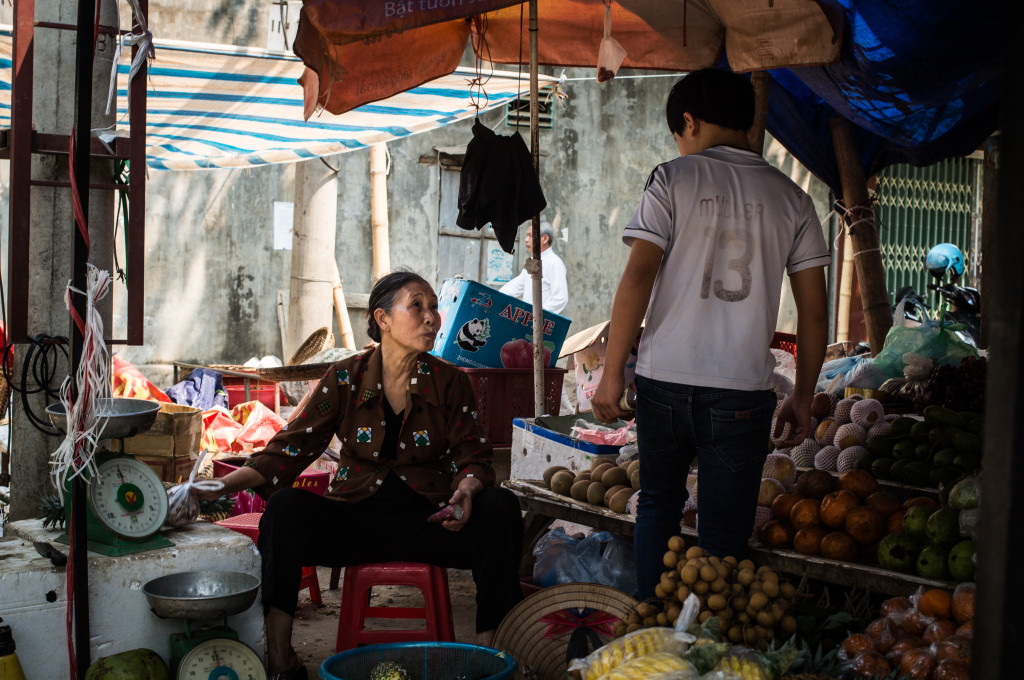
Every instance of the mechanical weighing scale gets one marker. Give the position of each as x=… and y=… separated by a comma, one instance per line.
x=207, y=652
x=127, y=502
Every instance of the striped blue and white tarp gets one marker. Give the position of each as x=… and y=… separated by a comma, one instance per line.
x=216, y=106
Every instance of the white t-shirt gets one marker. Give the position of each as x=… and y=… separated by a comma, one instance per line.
x=554, y=289
x=730, y=224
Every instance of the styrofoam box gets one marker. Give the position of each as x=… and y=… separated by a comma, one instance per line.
x=536, y=448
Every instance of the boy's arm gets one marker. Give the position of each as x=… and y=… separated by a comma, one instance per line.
x=811, y=336
x=628, y=310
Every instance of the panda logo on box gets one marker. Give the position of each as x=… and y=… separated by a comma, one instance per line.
x=473, y=335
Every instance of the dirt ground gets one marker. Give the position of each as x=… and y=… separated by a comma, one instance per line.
x=316, y=627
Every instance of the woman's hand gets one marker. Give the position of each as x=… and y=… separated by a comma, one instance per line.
x=463, y=496
x=234, y=481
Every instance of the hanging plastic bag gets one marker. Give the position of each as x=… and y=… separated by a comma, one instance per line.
x=182, y=506
x=941, y=344
x=611, y=53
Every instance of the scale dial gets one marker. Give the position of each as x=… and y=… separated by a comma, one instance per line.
x=128, y=498
x=221, y=659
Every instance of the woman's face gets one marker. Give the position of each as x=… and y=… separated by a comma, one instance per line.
x=413, y=321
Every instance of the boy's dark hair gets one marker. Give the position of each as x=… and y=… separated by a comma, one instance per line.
x=721, y=98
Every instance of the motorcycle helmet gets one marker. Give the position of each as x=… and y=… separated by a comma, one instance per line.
x=943, y=258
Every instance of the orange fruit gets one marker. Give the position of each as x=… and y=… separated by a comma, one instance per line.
x=936, y=602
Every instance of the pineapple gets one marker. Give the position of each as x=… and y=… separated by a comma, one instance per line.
x=817, y=665
x=388, y=670
x=216, y=510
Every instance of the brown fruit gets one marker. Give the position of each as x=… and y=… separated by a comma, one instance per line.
x=894, y=524
x=966, y=630
x=866, y=525
x=860, y=482
x=821, y=406
x=585, y=474
x=614, y=476
x=550, y=472
x=618, y=501
x=778, y=533
x=561, y=482
x=883, y=501
x=598, y=461
x=838, y=545
x=883, y=632
x=951, y=669
x=595, y=493
x=578, y=490
x=896, y=606
x=805, y=513
x=858, y=642
x=904, y=645
x=939, y=630
x=690, y=517
x=963, y=603
x=954, y=647
x=783, y=503
x=808, y=539
x=918, y=663
x=920, y=500
x=815, y=484
x=835, y=506
x=915, y=623
x=634, y=480
x=870, y=664
x=597, y=472
x=612, y=490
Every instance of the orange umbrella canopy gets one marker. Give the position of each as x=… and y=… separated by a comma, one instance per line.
x=359, y=52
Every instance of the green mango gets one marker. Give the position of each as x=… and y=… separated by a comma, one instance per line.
x=916, y=473
x=904, y=449
x=943, y=526
x=944, y=457
x=899, y=552
x=137, y=664
x=944, y=476
x=922, y=451
x=864, y=463
x=920, y=431
x=941, y=436
x=959, y=562
x=940, y=415
x=967, y=462
x=902, y=426
x=880, y=447
x=965, y=442
x=915, y=520
x=966, y=494
x=881, y=468
x=931, y=562
x=897, y=472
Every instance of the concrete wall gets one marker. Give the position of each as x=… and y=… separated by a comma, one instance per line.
x=212, y=274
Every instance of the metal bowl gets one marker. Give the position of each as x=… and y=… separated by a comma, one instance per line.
x=201, y=595
x=118, y=417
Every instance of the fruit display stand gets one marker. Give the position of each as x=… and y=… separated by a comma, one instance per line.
x=543, y=506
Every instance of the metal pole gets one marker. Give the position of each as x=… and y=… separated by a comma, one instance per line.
x=80, y=256
x=537, y=273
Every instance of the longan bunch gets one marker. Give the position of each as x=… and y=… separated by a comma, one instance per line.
x=750, y=602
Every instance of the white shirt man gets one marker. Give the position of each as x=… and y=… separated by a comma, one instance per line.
x=554, y=289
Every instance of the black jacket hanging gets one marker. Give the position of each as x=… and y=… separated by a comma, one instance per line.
x=498, y=185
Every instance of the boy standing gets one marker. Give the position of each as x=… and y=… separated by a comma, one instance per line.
x=714, y=232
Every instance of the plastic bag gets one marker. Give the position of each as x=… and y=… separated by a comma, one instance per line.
x=639, y=643
x=599, y=558
x=600, y=434
x=656, y=666
x=182, y=506
x=941, y=344
x=611, y=53
x=628, y=454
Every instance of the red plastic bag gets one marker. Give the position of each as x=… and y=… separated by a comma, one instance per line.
x=259, y=425
x=128, y=381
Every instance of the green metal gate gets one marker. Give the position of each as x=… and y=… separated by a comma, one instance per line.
x=919, y=207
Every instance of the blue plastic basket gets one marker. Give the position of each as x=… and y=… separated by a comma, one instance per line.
x=423, y=661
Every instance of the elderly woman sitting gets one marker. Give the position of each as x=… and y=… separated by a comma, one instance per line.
x=410, y=445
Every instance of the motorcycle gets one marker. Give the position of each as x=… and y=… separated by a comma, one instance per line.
x=964, y=302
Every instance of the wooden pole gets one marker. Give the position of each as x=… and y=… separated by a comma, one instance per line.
x=860, y=221
x=762, y=83
x=348, y=340
x=536, y=272
x=845, y=290
x=379, y=210
x=989, y=221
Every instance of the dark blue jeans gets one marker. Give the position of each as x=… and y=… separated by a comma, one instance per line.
x=727, y=431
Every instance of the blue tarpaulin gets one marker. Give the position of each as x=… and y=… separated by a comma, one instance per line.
x=920, y=80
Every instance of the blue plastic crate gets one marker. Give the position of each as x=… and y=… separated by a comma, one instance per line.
x=423, y=661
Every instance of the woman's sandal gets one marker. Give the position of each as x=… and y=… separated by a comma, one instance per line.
x=297, y=673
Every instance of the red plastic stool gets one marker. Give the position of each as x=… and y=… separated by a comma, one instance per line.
x=355, y=604
x=249, y=524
